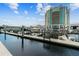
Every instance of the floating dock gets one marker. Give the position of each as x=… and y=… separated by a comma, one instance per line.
x=64, y=42
x=4, y=51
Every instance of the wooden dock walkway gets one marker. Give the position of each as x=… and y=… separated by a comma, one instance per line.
x=4, y=51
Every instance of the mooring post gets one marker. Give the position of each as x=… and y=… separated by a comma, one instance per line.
x=22, y=31
x=4, y=29
x=49, y=36
x=4, y=32
x=43, y=35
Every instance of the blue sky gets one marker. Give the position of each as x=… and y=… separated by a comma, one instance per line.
x=31, y=13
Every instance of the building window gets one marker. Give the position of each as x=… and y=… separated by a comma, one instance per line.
x=55, y=18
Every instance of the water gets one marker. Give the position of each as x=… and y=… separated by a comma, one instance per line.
x=26, y=47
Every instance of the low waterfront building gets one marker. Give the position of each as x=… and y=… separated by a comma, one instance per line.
x=35, y=29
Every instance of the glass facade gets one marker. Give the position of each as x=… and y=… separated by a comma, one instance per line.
x=57, y=16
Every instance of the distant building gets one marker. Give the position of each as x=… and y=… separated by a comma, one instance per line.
x=57, y=18
x=13, y=28
x=74, y=26
x=36, y=29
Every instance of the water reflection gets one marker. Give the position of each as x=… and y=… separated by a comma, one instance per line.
x=17, y=37
x=22, y=43
x=55, y=49
x=5, y=36
x=78, y=38
x=22, y=46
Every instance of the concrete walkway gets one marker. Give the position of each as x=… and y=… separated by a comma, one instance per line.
x=65, y=42
x=4, y=51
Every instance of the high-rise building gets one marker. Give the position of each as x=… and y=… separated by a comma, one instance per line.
x=57, y=18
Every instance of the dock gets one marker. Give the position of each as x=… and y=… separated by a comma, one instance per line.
x=64, y=42
x=4, y=51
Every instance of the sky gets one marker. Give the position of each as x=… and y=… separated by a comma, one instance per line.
x=30, y=14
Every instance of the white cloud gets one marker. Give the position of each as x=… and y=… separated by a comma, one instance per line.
x=15, y=11
x=47, y=7
x=26, y=12
x=42, y=13
x=74, y=6
x=14, y=7
x=39, y=7
x=42, y=8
